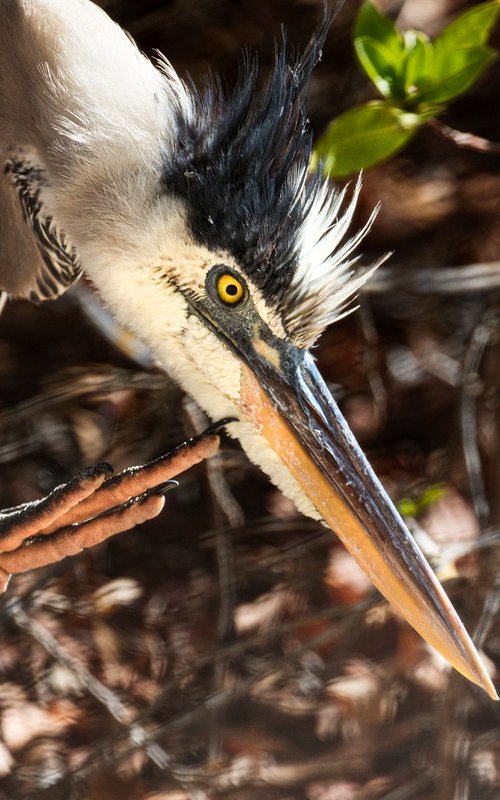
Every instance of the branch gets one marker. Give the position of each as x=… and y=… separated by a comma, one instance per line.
x=434, y=280
x=469, y=140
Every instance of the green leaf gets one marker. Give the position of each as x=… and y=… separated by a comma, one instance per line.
x=371, y=24
x=414, y=507
x=380, y=50
x=419, y=63
x=455, y=73
x=407, y=507
x=431, y=495
x=364, y=136
x=376, y=61
x=412, y=69
x=471, y=29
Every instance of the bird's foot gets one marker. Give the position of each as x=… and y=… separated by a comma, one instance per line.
x=92, y=507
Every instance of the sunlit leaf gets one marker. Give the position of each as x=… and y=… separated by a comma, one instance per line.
x=407, y=507
x=364, y=136
x=431, y=495
x=376, y=62
x=471, y=29
x=455, y=73
x=371, y=24
x=419, y=62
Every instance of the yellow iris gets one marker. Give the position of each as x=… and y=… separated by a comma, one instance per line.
x=230, y=289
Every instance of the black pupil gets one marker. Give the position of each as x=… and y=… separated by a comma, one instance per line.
x=231, y=289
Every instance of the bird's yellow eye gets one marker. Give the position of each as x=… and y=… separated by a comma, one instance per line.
x=230, y=289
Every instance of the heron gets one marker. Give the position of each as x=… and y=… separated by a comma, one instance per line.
x=193, y=212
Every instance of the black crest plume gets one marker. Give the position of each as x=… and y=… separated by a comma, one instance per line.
x=241, y=162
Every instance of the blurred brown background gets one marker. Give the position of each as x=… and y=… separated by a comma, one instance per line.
x=231, y=648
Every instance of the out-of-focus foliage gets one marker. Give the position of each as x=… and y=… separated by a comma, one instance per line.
x=416, y=77
x=414, y=506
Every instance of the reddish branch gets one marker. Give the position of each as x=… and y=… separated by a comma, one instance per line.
x=464, y=139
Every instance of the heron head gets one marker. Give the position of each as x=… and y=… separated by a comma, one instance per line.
x=194, y=212
x=260, y=259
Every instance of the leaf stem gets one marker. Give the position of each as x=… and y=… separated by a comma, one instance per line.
x=462, y=139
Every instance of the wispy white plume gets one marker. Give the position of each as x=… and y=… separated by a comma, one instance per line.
x=327, y=278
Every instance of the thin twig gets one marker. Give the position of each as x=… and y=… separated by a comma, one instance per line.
x=431, y=281
x=215, y=475
x=471, y=141
x=224, y=507
x=457, y=737
x=94, y=687
x=375, y=381
x=412, y=788
x=480, y=340
x=94, y=309
x=111, y=753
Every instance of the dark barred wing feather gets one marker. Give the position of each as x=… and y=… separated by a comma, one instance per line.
x=36, y=260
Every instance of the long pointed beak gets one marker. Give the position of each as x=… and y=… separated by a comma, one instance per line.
x=284, y=396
